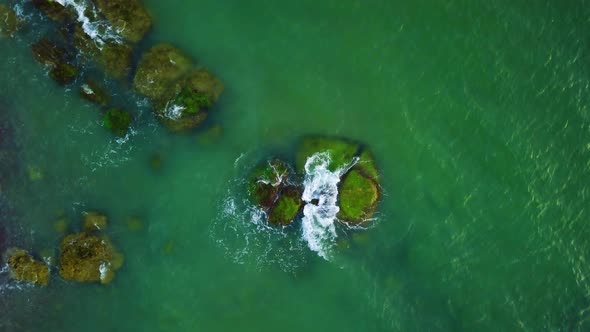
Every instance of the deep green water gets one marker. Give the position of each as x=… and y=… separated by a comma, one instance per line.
x=477, y=112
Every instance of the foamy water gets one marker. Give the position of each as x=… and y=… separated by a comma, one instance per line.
x=318, y=224
x=98, y=30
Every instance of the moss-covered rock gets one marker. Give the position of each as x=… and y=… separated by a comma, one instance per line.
x=158, y=68
x=94, y=92
x=57, y=59
x=266, y=181
x=357, y=197
x=187, y=102
x=342, y=152
x=23, y=267
x=9, y=22
x=117, y=120
x=180, y=94
x=270, y=188
x=94, y=221
x=87, y=257
x=128, y=17
x=286, y=207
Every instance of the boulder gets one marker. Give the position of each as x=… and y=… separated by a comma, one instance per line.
x=23, y=267
x=88, y=257
x=270, y=188
x=187, y=102
x=181, y=95
x=128, y=17
x=158, y=68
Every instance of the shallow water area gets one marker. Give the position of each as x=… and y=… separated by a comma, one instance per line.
x=478, y=116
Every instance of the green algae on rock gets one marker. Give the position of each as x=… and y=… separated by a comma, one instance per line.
x=9, y=22
x=88, y=257
x=342, y=152
x=181, y=95
x=117, y=120
x=358, y=196
x=286, y=207
x=158, y=68
x=57, y=59
x=128, y=17
x=23, y=267
x=269, y=189
x=187, y=102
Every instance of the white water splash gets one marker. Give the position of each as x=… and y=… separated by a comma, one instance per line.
x=99, y=31
x=321, y=185
x=173, y=111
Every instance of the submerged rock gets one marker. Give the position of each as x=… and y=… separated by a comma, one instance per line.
x=266, y=181
x=270, y=189
x=9, y=22
x=158, y=68
x=181, y=95
x=94, y=221
x=94, y=93
x=23, y=267
x=359, y=189
x=117, y=120
x=88, y=257
x=35, y=173
x=57, y=59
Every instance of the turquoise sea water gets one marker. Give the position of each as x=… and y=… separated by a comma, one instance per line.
x=477, y=113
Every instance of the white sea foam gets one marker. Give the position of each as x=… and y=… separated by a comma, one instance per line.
x=104, y=269
x=173, y=111
x=99, y=31
x=87, y=89
x=318, y=223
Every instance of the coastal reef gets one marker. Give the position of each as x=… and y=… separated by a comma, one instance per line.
x=277, y=189
x=24, y=267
